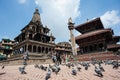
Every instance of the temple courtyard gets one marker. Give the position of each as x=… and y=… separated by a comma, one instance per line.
x=13, y=73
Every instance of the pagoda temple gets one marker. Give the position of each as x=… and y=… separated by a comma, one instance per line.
x=94, y=37
x=35, y=37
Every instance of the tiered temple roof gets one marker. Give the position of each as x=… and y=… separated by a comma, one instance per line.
x=90, y=25
x=94, y=37
x=95, y=33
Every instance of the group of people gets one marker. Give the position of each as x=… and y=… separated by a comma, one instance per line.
x=58, y=59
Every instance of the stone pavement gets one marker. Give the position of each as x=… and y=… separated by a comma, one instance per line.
x=12, y=73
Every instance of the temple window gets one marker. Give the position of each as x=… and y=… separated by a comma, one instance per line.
x=39, y=49
x=34, y=48
x=30, y=36
x=33, y=28
x=37, y=37
x=46, y=50
x=43, y=49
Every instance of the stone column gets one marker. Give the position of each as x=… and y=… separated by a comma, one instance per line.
x=27, y=47
x=72, y=38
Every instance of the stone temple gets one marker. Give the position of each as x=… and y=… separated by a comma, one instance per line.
x=35, y=37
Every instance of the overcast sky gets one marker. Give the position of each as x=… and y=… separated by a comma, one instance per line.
x=16, y=14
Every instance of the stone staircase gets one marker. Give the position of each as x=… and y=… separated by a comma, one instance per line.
x=33, y=59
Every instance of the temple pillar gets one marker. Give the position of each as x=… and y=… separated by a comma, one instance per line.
x=26, y=47
x=72, y=38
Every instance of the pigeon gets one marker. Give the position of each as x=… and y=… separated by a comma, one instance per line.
x=86, y=67
x=98, y=71
x=48, y=75
x=21, y=69
x=25, y=62
x=53, y=68
x=69, y=65
x=72, y=64
x=36, y=66
x=50, y=66
x=115, y=65
x=56, y=70
x=101, y=68
x=78, y=68
x=58, y=67
x=74, y=72
x=3, y=67
x=43, y=67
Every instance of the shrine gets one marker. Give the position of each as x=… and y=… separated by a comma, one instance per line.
x=95, y=38
x=35, y=37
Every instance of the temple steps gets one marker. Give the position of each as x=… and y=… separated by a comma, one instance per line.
x=34, y=58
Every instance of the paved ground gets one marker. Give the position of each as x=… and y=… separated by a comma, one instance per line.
x=12, y=73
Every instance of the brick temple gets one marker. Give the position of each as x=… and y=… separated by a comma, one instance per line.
x=95, y=38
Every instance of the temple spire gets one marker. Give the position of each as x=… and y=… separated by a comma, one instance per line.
x=36, y=16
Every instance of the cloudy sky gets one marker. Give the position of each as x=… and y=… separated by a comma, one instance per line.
x=15, y=14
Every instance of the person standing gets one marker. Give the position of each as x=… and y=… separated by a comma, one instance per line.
x=67, y=59
x=25, y=57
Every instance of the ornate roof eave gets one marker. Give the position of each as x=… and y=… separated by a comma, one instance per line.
x=30, y=23
x=47, y=28
x=113, y=46
x=24, y=28
x=97, y=20
x=116, y=37
x=18, y=36
x=93, y=33
x=53, y=37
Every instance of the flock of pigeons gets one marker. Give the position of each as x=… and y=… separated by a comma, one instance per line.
x=75, y=67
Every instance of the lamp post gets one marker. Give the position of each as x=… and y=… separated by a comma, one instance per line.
x=72, y=38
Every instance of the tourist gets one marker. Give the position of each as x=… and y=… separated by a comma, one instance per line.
x=63, y=58
x=25, y=57
x=58, y=58
x=67, y=59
